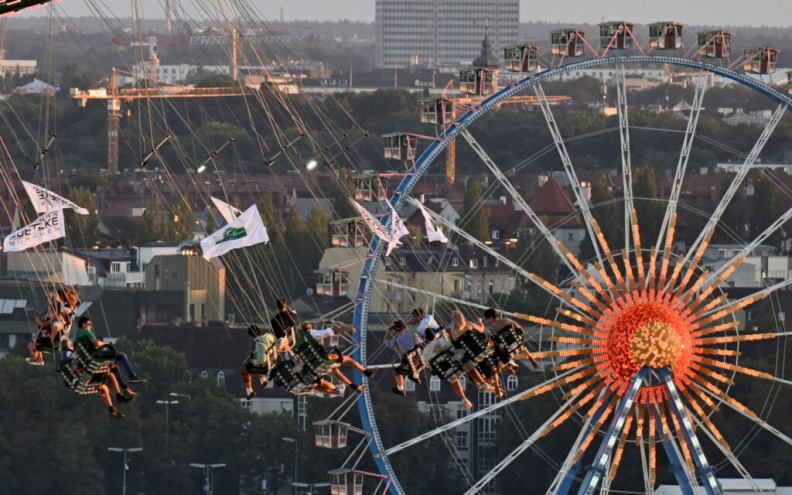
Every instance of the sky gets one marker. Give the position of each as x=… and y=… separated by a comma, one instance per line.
x=698, y=12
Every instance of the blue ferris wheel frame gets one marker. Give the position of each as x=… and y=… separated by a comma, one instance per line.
x=371, y=264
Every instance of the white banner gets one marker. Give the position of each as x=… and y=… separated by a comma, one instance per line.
x=433, y=230
x=397, y=230
x=46, y=200
x=371, y=221
x=229, y=212
x=245, y=230
x=47, y=227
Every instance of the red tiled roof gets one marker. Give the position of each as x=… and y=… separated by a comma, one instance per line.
x=553, y=203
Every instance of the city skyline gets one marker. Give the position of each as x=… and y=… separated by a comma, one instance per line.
x=709, y=12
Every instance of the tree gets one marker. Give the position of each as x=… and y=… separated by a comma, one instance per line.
x=82, y=230
x=648, y=210
x=535, y=255
x=474, y=217
x=343, y=190
x=764, y=210
x=181, y=226
x=149, y=228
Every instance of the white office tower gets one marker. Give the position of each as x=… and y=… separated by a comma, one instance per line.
x=443, y=34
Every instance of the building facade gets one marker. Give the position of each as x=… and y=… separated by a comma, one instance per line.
x=443, y=34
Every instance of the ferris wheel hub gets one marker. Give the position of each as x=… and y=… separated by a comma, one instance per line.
x=649, y=334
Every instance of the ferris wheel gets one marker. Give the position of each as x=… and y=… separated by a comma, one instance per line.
x=645, y=345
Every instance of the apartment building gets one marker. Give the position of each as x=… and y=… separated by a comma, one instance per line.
x=442, y=34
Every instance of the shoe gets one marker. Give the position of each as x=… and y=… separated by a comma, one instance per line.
x=130, y=394
x=512, y=368
x=137, y=381
x=487, y=388
x=534, y=363
x=251, y=394
x=35, y=362
x=263, y=382
x=115, y=414
x=122, y=399
x=467, y=404
x=358, y=388
x=368, y=373
x=399, y=392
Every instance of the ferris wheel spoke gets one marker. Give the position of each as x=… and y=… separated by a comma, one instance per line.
x=744, y=301
x=481, y=412
x=687, y=144
x=729, y=455
x=572, y=464
x=702, y=239
x=732, y=264
x=755, y=419
x=624, y=137
x=519, y=200
x=551, y=289
x=582, y=201
x=527, y=443
x=435, y=295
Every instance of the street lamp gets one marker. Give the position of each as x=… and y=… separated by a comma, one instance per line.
x=208, y=478
x=167, y=404
x=294, y=474
x=124, y=450
x=174, y=394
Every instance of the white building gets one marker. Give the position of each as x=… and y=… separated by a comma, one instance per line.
x=734, y=486
x=442, y=34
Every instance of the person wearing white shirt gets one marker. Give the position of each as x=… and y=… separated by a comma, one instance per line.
x=423, y=320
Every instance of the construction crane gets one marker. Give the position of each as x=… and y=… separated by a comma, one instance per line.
x=469, y=102
x=114, y=96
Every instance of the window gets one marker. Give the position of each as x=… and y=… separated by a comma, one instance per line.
x=512, y=382
x=409, y=386
x=495, y=235
x=571, y=236
x=221, y=378
x=456, y=285
x=454, y=261
x=474, y=263
x=204, y=374
x=484, y=261
x=387, y=262
x=434, y=384
x=462, y=439
x=402, y=260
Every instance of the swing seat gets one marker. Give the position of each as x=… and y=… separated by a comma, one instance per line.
x=294, y=377
x=81, y=380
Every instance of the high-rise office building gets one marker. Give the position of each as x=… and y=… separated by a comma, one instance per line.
x=444, y=34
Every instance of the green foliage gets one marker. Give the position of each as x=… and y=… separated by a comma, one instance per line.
x=764, y=210
x=180, y=225
x=149, y=227
x=82, y=230
x=648, y=210
x=534, y=255
x=474, y=218
x=343, y=189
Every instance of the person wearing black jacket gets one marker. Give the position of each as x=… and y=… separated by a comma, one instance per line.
x=284, y=320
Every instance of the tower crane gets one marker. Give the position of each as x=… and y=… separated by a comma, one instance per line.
x=114, y=96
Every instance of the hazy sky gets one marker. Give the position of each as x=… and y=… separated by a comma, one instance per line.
x=699, y=12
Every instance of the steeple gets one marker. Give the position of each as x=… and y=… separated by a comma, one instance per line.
x=486, y=60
